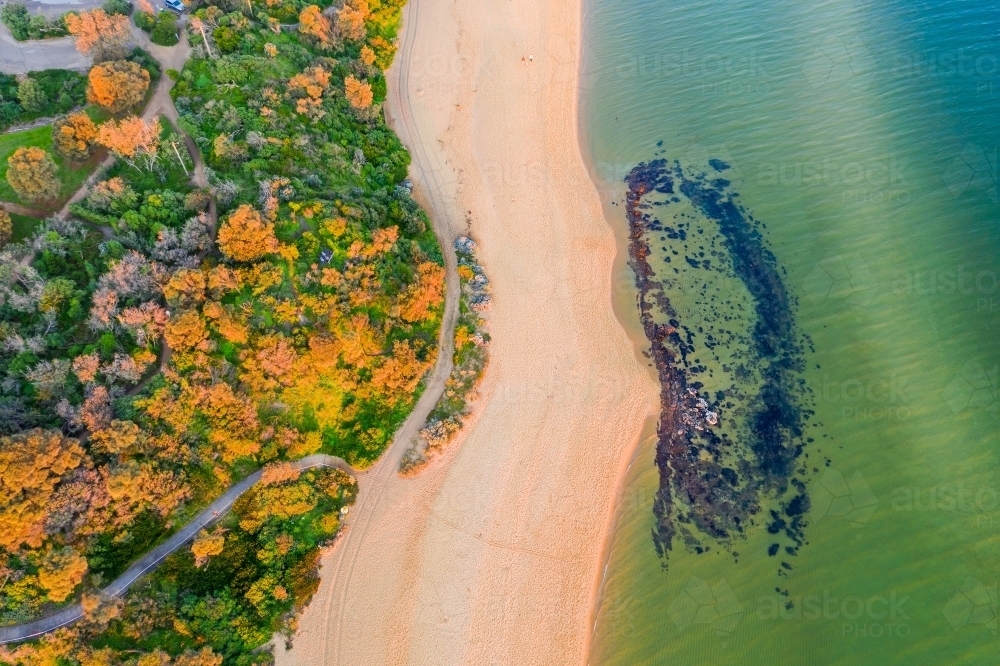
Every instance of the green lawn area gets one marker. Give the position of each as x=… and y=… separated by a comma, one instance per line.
x=71, y=174
x=23, y=227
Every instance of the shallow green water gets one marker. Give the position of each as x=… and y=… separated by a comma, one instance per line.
x=865, y=137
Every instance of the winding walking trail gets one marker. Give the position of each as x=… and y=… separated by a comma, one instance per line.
x=144, y=565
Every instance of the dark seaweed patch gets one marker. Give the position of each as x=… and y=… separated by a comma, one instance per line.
x=722, y=453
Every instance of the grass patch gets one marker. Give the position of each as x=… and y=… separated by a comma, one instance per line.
x=24, y=227
x=71, y=174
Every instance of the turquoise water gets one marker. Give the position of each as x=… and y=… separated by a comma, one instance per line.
x=865, y=138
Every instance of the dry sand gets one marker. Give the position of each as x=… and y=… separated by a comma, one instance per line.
x=492, y=555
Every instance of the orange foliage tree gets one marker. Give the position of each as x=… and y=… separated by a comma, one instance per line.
x=61, y=571
x=31, y=464
x=32, y=174
x=186, y=331
x=245, y=236
x=203, y=657
x=74, y=136
x=117, y=85
x=186, y=288
x=206, y=544
x=99, y=34
x=96, y=411
x=132, y=139
x=313, y=23
x=358, y=92
x=424, y=295
x=351, y=20
x=6, y=228
x=309, y=87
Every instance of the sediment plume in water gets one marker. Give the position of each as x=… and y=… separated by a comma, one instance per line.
x=722, y=334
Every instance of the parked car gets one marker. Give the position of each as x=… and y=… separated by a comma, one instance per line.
x=174, y=5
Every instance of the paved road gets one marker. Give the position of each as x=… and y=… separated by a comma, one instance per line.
x=20, y=57
x=147, y=563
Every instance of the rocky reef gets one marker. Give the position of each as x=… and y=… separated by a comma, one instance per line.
x=722, y=335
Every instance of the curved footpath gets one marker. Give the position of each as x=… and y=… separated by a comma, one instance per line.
x=159, y=104
x=148, y=562
x=492, y=554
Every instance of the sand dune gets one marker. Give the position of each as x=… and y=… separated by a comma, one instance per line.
x=491, y=555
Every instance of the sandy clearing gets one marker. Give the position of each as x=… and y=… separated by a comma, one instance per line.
x=492, y=554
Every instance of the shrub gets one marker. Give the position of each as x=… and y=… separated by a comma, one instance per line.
x=144, y=20
x=227, y=39
x=31, y=95
x=165, y=31
x=32, y=174
x=120, y=7
x=25, y=26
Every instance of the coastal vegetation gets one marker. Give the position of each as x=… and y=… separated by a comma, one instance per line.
x=468, y=364
x=175, y=334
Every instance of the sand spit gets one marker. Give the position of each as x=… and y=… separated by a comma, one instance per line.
x=492, y=554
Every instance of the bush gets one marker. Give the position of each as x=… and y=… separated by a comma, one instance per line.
x=144, y=21
x=49, y=92
x=31, y=95
x=25, y=26
x=165, y=31
x=117, y=7
x=227, y=39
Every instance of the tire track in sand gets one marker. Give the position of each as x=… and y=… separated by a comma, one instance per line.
x=374, y=482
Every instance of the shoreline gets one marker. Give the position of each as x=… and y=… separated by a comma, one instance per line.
x=623, y=302
x=493, y=554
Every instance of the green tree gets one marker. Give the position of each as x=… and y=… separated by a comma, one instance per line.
x=31, y=95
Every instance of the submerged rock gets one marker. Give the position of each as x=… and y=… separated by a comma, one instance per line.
x=744, y=346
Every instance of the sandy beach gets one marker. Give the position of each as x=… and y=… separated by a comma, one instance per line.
x=492, y=555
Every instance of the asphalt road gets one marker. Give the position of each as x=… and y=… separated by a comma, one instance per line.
x=215, y=510
x=20, y=57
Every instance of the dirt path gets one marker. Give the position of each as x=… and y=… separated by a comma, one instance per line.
x=150, y=560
